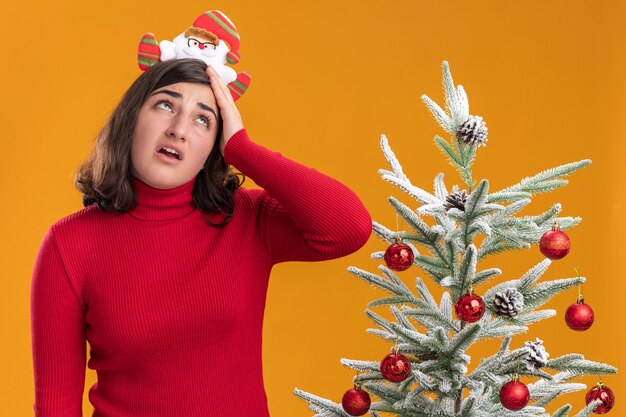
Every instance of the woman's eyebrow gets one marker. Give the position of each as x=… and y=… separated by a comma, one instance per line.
x=176, y=94
x=207, y=108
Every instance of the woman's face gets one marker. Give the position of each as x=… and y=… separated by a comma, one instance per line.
x=179, y=118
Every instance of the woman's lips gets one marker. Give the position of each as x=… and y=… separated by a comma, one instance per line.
x=170, y=159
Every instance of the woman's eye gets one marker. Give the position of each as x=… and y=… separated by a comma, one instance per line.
x=204, y=121
x=164, y=105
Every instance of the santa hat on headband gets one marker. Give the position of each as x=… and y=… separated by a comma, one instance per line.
x=221, y=26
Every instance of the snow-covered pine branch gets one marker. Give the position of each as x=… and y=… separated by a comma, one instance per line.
x=585, y=412
x=398, y=178
x=459, y=154
x=577, y=365
x=547, y=180
x=431, y=316
x=321, y=405
x=466, y=272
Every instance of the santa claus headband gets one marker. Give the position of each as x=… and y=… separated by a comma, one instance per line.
x=212, y=38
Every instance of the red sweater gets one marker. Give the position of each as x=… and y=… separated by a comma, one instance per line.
x=172, y=308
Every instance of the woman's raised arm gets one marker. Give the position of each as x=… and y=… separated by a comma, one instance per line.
x=303, y=215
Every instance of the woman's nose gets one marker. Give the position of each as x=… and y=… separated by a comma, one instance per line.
x=177, y=128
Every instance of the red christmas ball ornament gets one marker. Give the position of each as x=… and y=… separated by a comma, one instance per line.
x=399, y=256
x=395, y=367
x=604, y=394
x=554, y=244
x=579, y=316
x=514, y=395
x=356, y=402
x=470, y=307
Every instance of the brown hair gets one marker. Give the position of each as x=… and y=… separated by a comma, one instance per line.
x=104, y=178
x=202, y=33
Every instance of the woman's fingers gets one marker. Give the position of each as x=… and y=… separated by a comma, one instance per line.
x=219, y=88
x=231, y=119
x=214, y=81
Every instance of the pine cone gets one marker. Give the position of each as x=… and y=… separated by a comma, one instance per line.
x=456, y=199
x=537, y=354
x=473, y=131
x=508, y=303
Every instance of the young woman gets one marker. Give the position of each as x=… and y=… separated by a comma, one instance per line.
x=165, y=270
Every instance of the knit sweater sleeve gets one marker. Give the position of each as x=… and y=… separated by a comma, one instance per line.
x=58, y=336
x=303, y=215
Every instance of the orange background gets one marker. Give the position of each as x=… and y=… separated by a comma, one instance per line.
x=328, y=78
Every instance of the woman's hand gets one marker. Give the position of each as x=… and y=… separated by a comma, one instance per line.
x=231, y=119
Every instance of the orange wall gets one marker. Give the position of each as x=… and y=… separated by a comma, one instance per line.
x=328, y=78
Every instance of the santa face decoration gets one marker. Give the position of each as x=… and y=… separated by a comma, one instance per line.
x=202, y=44
x=212, y=38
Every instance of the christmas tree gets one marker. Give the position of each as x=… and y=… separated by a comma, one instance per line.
x=427, y=372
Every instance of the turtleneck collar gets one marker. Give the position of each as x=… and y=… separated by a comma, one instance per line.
x=157, y=204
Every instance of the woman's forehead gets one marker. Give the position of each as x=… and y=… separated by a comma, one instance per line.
x=188, y=91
